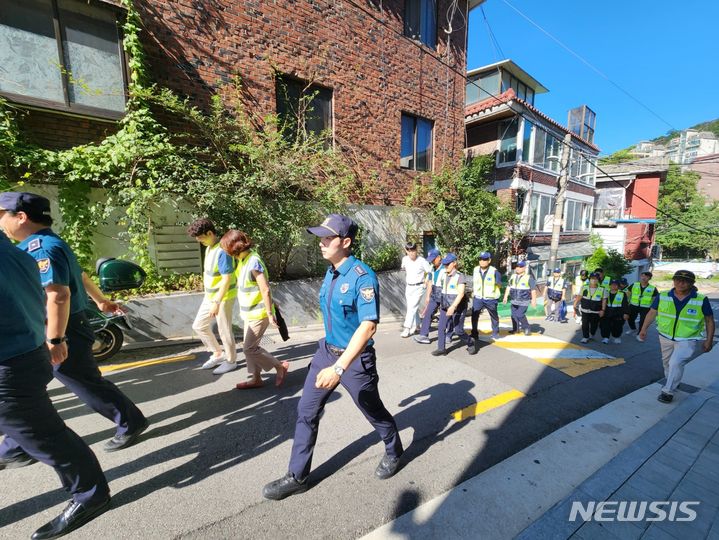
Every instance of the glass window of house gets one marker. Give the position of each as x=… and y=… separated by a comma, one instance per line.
x=552, y=153
x=539, y=269
x=76, y=64
x=420, y=21
x=302, y=104
x=527, y=140
x=416, y=143
x=530, y=96
x=569, y=216
x=508, y=142
x=540, y=141
x=489, y=84
x=472, y=93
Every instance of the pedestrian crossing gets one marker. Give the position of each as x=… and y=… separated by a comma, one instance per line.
x=569, y=358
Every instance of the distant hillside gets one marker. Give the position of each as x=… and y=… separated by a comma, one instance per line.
x=620, y=156
x=711, y=125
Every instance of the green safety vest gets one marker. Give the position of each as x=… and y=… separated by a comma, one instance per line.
x=211, y=276
x=617, y=302
x=687, y=325
x=596, y=297
x=606, y=280
x=450, y=285
x=642, y=298
x=252, y=307
x=486, y=288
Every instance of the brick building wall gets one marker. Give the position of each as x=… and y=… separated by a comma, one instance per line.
x=353, y=47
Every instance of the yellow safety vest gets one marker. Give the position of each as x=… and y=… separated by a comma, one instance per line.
x=642, y=298
x=617, y=302
x=487, y=288
x=211, y=276
x=687, y=325
x=605, y=281
x=252, y=307
x=451, y=284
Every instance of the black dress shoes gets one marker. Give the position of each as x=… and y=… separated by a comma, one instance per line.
x=16, y=462
x=387, y=467
x=283, y=487
x=438, y=352
x=118, y=442
x=73, y=517
x=665, y=398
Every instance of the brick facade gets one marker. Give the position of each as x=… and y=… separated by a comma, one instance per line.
x=375, y=73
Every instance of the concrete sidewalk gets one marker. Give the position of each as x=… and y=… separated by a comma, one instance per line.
x=632, y=449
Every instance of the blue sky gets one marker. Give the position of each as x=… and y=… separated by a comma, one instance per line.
x=663, y=53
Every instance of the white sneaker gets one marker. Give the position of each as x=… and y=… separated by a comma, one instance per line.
x=617, y=340
x=628, y=332
x=639, y=339
x=584, y=340
x=578, y=320
x=213, y=362
x=605, y=340
x=225, y=367
x=406, y=333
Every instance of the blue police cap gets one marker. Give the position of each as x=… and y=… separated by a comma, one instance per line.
x=522, y=264
x=335, y=225
x=594, y=275
x=448, y=258
x=433, y=254
x=557, y=270
x=485, y=255
x=614, y=282
x=623, y=281
x=30, y=203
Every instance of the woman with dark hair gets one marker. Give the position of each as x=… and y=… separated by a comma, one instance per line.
x=256, y=308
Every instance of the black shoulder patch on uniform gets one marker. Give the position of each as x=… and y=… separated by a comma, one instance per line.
x=360, y=271
x=34, y=244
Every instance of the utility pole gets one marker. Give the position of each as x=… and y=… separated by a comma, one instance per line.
x=559, y=209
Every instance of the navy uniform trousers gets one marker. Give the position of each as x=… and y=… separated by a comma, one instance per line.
x=80, y=374
x=360, y=380
x=519, y=316
x=490, y=304
x=451, y=325
x=29, y=418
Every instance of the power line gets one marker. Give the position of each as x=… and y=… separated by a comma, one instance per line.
x=589, y=64
x=492, y=38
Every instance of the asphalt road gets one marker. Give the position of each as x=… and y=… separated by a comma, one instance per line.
x=199, y=470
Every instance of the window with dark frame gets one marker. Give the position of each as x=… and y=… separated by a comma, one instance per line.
x=63, y=54
x=420, y=21
x=416, y=144
x=299, y=101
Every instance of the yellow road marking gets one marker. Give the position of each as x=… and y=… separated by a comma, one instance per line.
x=141, y=363
x=487, y=405
x=574, y=367
x=535, y=345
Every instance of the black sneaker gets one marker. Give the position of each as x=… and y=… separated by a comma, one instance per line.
x=665, y=398
x=16, y=462
x=284, y=487
x=439, y=352
x=387, y=467
x=473, y=348
x=118, y=442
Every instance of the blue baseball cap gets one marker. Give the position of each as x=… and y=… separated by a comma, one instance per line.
x=335, y=225
x=33, y=205
x=614, y=282
x=594, y=275
x=522, y=264
x=433, y=254
x=557, y=270
x=485, y=255
x=623, y=281
x=448, y=258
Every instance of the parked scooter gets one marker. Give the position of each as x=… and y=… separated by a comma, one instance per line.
x=115, y=275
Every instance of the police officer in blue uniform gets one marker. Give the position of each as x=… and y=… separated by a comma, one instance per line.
x=349, y=300
x=26, y=412
x=434, y=294
x=26, y=218
x=453, y=306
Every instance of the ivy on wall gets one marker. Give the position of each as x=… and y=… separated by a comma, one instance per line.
x=259, y=180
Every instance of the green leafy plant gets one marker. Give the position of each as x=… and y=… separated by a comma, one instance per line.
x=385, y=257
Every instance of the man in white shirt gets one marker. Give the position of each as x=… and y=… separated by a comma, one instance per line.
x=416, y=269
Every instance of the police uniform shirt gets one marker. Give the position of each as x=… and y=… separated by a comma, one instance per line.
x=349, y=296
x=22, y=317
x=57, y=264
x=513, y=280
x=679, y=305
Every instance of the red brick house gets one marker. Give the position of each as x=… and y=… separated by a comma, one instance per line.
x=501, y=118
x=625, y=212
x=387, y=76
